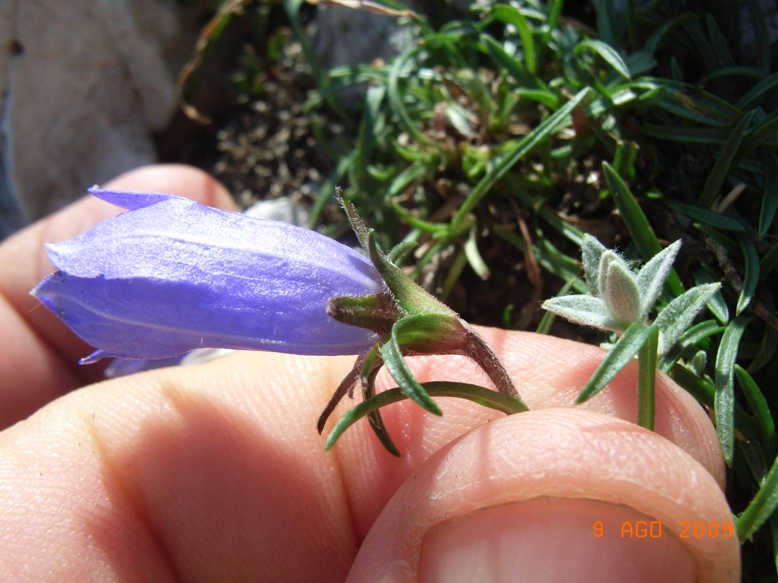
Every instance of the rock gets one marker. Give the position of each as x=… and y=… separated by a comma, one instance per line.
x=84, y=82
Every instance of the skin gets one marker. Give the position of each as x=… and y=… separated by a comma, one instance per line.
x=215, y=472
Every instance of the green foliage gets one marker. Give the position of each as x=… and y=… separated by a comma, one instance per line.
x=500, y=139
x=485, y=123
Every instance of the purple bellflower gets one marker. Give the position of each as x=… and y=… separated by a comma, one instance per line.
x=171, y=275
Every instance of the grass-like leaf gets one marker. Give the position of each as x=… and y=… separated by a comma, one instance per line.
x=703, y=215
x=770, y=196
x=766, y=133
x=652, y=276
x=607, y=52
x=750, y=272
x=698, y=105
x=515, y=67
x=483, y=396
x=724, y=383
x=619, y=356
x=761, y=507
x=759, y=407
x=512, y=15
x=759, y=90
x=583, y=309
x=591, y=253
x=678, y=315
x=723, y=165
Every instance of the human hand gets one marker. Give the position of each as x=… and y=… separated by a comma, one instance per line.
x=216, y=472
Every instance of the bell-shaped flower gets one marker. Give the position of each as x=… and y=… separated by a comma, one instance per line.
x=170, y=275
x=619, y=297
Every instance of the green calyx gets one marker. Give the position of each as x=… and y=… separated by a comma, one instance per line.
x=409, y=322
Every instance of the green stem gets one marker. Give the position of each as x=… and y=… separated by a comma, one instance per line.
x=647, y=380
x=483, y=396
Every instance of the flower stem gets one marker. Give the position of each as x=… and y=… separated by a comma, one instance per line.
x=647, y=379
x=486, y=397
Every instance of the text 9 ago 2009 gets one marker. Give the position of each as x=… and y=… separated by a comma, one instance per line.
x=654, y=529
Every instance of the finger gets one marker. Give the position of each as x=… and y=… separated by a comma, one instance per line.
x=217, y=471
x=550, y=495
x=201, y=473
x=40, y=353
x=548, y=372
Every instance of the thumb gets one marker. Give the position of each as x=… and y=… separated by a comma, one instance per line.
x=554, y=495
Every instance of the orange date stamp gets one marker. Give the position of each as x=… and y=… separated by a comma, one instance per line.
x=654, y=529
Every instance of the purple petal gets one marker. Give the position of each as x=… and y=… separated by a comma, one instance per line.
x=172, y=275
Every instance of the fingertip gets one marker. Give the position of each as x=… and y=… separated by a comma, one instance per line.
x=544, y=468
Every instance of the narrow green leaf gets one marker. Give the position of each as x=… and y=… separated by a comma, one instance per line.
x=766, y=133
x=583, y=309
x=326, y=190
x=695, y=104
x=703, y=215
x=705, y=135
x=652, y=276
x=396, y=99
x=698, y=388
x=724, y=383
x=768, y=262
x=705, y=50
x=750, y=272
x=474, y=257
x=639, y=63
x=770, y=197
x=760, y=89
x=717, y=304
x=723, y=165
x=678, y=315
x=591, y=253
x=412, y=173
x=401, y=250
x=656, y=38
x=732, y=74
x=395, y=364
x=512, y=15
x=637, y=224
x=544, y=96
x=758, y=23
x=719, y=44
x=758, y=404
x=483, y=396
x=607, y=52
x=705, y=393
x=554, y=8
x=761, y=507
x=379, y=428
x=692, y=336
x=517, y=70
x=437, y=231
x=620, y=355
x=768, y=346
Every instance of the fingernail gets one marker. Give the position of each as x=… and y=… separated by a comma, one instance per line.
x=553, y=539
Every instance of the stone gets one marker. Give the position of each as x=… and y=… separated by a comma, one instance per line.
x=84, y=84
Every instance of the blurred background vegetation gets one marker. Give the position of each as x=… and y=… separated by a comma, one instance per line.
x=498, y=134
